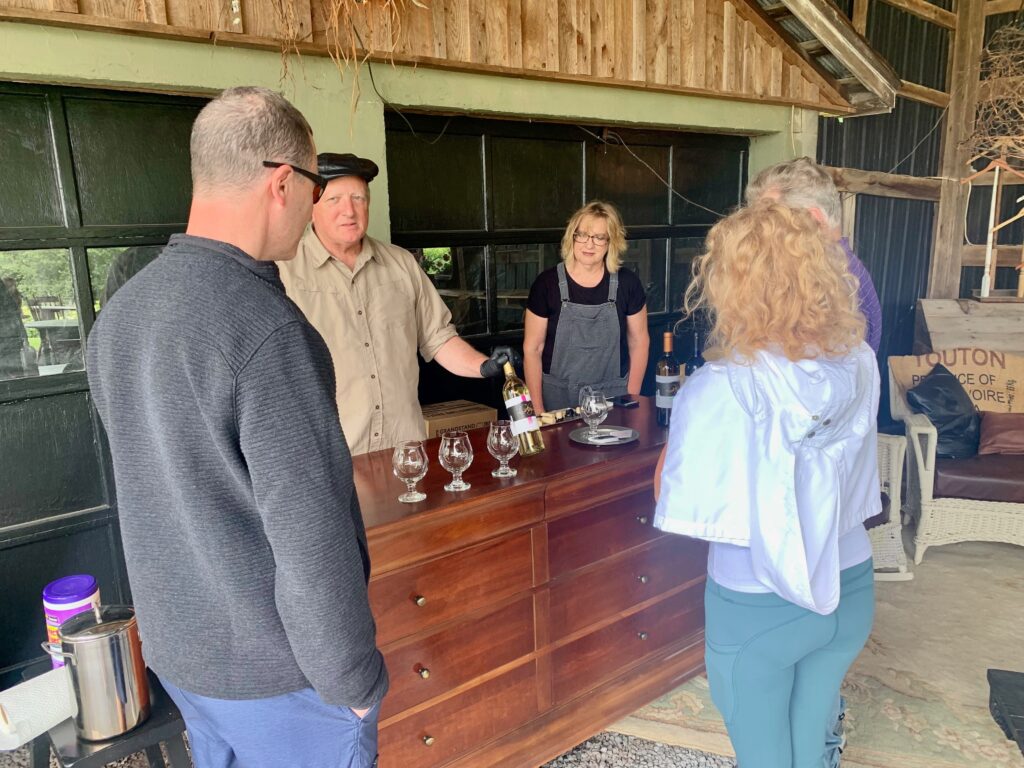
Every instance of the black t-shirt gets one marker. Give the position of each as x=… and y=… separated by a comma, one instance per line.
x=545, y=301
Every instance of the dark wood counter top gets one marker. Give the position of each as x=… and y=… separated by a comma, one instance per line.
x=379, y=489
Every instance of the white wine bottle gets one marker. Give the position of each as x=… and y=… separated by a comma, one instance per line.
x=525, y=424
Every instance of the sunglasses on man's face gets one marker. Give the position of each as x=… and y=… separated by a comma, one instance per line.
x=319, y=182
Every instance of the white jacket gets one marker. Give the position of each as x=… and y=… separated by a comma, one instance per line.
x=778, y=456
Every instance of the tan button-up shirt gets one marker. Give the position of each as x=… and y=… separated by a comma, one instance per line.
x=374, y=319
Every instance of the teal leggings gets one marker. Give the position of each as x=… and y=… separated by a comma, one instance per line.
x=775, y=668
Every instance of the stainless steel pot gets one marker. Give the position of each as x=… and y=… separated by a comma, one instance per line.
x=107, y=671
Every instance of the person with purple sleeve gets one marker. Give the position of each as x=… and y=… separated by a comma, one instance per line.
x=802, y=183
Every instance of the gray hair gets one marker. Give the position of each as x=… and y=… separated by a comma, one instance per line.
x=241, y=128
x=799, y=183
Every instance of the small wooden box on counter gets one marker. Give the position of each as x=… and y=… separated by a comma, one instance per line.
x=456, y=414
x=524, y=615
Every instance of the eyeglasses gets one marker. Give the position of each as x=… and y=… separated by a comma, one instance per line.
x=319, y=182
x=580, y=237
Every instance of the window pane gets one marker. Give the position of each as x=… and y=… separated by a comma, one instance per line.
x=515, y=269
x=131, y=160
x=29, y=191
x=684, y=250
x=435, y=186
x=110, y=268
x=39, y=330
x=458, y=274
x=709, y=177
x=620, y=176
x=646, y=258
x=537, y=183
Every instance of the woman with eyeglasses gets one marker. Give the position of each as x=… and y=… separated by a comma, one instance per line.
x=586, y=318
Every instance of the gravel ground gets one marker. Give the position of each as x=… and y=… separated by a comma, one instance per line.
x=614, y=750
x=606, y=750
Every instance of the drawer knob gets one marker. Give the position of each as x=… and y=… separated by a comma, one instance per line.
x=642, y=579
x=642, y=635
x=423, y=672
x=428, y=740
x=642, y=519
x=420, y=600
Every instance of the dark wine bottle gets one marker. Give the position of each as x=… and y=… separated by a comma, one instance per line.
x=666, y=377
x=696, y=359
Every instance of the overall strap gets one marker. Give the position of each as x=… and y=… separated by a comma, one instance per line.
x=563, y=283
x=613, y=286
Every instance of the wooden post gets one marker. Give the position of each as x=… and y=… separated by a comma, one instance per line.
x=944, y=272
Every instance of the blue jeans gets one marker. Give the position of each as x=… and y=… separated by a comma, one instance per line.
x=292, y=730
x=775, y=669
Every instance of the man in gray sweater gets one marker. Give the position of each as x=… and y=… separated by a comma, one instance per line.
x=242, y=533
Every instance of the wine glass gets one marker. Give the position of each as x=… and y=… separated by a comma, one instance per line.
x=456, y=454
x=409, y=462
x=594, y=408
x=502, y=445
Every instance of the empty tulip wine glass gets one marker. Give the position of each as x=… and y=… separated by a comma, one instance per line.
x=409, y=462
x=594, y=408
x=456, y=454
x=502, y=445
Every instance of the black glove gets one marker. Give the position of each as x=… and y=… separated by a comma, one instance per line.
x=492, y=366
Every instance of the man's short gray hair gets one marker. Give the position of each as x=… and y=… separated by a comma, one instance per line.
x=241, y=128
x=799, y=183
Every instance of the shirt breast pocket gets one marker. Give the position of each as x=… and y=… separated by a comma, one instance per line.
x=392, y=304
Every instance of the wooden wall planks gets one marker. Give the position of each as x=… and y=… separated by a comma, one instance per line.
x=721, y=47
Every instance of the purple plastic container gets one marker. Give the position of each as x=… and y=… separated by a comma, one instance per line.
x=62, y=599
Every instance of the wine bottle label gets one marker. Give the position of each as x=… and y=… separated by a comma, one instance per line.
x=667, y=386
x=521, y=414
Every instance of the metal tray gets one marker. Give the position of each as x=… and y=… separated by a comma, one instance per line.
x=580, y=436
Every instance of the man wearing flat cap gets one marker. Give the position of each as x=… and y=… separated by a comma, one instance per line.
x=375, y=307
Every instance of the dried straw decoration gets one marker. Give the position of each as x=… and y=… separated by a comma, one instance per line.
x=999, y=123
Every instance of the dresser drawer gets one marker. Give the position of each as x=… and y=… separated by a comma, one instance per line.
x=586, y=537
x=417, y=598
x=464, y=722
x=586, y=662
x=613, y=586
x=428, y=666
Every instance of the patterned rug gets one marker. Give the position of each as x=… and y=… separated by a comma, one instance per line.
x=917, y=696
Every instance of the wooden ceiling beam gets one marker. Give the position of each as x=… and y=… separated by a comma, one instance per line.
x=829, y=25
x=993, y=7
x=923, y=94
x=885, y=184
x=928, y=11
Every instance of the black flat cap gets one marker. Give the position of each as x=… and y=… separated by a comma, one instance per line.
x=333, y=166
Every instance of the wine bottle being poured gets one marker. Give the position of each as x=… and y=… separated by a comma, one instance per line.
x=525, y=424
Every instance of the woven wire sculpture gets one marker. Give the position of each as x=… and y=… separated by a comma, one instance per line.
x=999, y=122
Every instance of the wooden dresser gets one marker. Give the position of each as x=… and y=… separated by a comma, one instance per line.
x=522, y=616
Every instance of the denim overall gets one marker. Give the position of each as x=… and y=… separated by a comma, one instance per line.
x=586, y=348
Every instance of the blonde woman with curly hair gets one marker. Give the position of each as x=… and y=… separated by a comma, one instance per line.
x=586, y=319
x=771, y=459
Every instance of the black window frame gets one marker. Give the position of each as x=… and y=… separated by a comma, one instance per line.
x=429, y=127
x=72, y=235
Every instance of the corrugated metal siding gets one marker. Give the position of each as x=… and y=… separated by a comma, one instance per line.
x=885, y=142
x=917, y=49
x=894, y=240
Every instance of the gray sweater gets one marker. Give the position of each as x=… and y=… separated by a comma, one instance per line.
x=245, y=546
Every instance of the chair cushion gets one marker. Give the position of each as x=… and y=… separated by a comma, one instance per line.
x=1002, y=433
x=985, y=478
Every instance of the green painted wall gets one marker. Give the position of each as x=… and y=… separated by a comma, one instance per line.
x=43, y=54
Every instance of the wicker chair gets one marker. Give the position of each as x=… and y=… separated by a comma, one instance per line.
x=946, y=520
x=887, y=539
